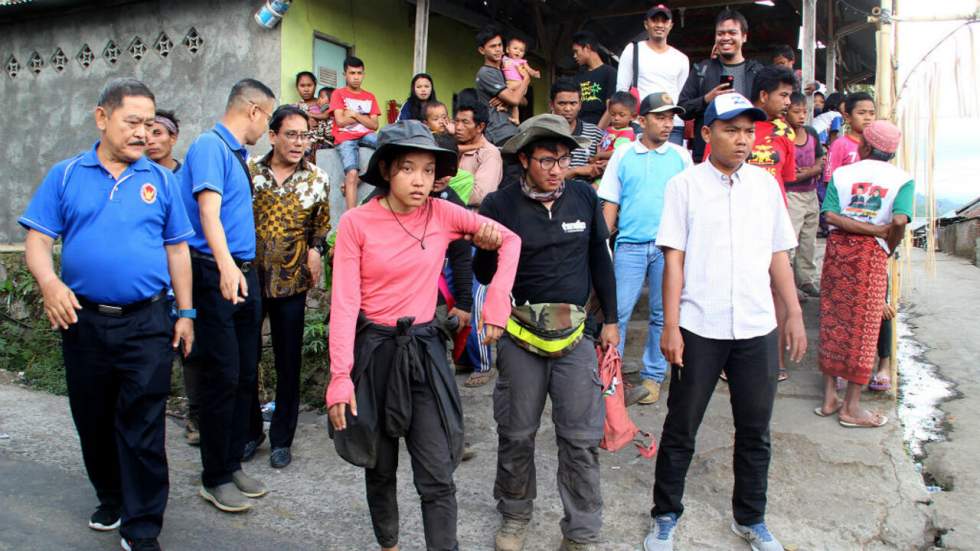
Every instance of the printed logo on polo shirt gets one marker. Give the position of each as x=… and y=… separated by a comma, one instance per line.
x=148, y=193
x=577, y=226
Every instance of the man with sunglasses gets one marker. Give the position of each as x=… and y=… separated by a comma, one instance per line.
x=292, y=219
x=547, y=350
x=217, y=191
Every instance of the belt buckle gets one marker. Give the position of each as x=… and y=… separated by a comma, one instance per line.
x=110, y=310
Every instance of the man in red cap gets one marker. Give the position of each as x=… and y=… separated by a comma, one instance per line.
x=855, y=270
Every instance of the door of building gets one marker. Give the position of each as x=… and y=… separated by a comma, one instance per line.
x=328, y=59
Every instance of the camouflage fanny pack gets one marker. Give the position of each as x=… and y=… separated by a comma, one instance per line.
x=547, y=329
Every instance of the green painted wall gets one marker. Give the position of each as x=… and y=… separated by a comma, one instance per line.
x=382, y=33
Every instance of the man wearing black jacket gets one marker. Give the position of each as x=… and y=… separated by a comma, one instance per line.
x=547, y=353
x=726, y=73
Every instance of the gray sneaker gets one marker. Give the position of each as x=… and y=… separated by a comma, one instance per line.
x=250, y=487
x=758, y=536
x=226, y=497
x=510, y=535
x=661, y=535
x=569, y=545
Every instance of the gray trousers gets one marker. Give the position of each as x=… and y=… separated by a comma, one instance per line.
x=525, y=381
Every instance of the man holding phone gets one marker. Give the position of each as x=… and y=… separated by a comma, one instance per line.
x=726, y=72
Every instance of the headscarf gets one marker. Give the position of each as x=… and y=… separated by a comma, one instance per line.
x=166, y=123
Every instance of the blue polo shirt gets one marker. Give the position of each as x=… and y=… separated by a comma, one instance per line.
x=113, y=230
x=635, y=179
x=211, y=165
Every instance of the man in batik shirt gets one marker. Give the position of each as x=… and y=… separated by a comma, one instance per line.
x=292, y=219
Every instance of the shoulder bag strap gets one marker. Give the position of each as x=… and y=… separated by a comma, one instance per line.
x=241, y=162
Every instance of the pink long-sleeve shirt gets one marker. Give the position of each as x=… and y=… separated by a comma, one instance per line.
x=380, y=269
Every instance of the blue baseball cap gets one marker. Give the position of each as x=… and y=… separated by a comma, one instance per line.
x=728, y=106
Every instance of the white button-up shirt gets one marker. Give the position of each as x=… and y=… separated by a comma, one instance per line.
x=728, y=228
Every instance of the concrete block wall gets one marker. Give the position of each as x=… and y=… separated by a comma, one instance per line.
x=329, y=160
x=47, y=116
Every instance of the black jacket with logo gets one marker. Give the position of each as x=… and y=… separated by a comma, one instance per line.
x=563, y=251
x=704, y=76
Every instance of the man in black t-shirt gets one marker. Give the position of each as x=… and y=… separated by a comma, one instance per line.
x=563, y=257
x=596, y=79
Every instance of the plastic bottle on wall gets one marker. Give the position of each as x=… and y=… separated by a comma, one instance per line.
x=271, y=13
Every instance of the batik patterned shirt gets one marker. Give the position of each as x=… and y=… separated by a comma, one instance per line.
x=290, y=218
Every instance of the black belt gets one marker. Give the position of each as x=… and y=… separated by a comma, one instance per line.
x=243, y=265
x=120, y=310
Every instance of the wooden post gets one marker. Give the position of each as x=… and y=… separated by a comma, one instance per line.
x=831, y=76
x=421, y=35
x=809, y=50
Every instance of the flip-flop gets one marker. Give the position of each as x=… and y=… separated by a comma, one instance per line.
x=877, y=421
x=723, y=376
x=818, y=411
x=880, y=383
x=782, y=376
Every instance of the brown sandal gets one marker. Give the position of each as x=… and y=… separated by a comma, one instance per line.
x=479, y=378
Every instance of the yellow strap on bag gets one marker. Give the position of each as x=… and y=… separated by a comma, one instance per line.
x=545, y=347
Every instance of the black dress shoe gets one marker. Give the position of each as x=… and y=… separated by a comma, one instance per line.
x=280, y=457
x=141, y=544
x=249, y=452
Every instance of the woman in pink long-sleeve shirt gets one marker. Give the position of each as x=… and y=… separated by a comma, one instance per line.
x=387, y=259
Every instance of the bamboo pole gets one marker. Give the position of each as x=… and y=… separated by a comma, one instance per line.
x=809, y=50
x=831, y=65
x=884, y=92
x=884, y=75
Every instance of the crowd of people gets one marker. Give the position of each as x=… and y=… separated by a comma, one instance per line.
x=514, y=247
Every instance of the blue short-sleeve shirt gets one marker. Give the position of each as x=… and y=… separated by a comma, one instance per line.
x=210, y=165
x=635, y=179
x=114, y=231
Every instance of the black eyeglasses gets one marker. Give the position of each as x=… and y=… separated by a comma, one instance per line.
x=548, y=163
x=294, y=136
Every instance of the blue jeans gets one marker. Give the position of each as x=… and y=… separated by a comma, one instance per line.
x=349, y=154
x=677, y=135
x=634, y=263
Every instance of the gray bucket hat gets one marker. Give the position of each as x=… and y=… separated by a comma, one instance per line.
x=543, y=127
x=407, y=135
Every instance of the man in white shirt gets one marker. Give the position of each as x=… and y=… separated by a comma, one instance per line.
x=725, y=233
x=659, y=67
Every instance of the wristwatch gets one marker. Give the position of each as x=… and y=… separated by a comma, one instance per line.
x=320, y=246
x=189, y=313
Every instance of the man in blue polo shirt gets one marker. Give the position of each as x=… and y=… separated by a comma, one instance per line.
x=123, y=229
x=633, y=190
x=217, y=191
